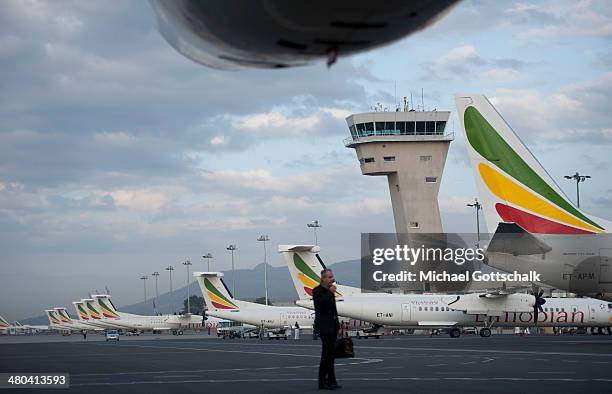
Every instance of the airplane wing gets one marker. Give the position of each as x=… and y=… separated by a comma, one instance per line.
x=493, y=304
x=512, y=239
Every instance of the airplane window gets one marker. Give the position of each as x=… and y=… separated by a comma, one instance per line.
x=420, y=308
x=556, y=309
x=609, y=306
x=436, y=309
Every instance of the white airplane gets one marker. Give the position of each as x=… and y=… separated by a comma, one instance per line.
x=498, y=308
x=16, y=327
x=67, y=321
x=87, y=310
x=128, y=321
x=56, y=324
x=277, y=33
x=223, y=305
x=536, y=226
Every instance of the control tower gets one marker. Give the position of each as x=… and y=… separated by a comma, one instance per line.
x=409, y=148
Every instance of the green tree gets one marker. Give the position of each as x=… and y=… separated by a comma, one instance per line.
x=196, y=303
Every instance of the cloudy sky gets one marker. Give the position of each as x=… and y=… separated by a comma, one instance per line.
x=118, y=156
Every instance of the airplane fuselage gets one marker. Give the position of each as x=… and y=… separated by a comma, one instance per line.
x=269, y=316
x=580, y=264
x=434, y=311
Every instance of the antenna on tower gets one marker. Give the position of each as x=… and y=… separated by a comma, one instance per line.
x=411, y=102
x=422, y=101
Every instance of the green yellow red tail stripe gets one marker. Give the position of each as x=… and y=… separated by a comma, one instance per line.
x=106, y=311
x=528, y=199
x=307, y=276
x=218, y=300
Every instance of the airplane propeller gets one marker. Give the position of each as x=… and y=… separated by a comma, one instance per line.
x=537, y=305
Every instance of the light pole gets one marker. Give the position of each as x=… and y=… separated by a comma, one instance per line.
x=208, y=257
x=170, y=269
x=314, y=225
x=144, y=282
x=478, y=207
x=231, y=248
x=264, y=238
x=187, y=263
x=578, y=178
x=156, y=275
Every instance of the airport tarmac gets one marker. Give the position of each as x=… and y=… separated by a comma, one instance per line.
x=199, y=363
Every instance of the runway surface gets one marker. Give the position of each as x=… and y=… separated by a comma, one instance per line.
x=470, y=364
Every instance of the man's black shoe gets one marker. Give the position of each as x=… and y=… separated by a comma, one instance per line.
x=335, y=386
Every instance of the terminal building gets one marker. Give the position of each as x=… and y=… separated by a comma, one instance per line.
x=409, y=148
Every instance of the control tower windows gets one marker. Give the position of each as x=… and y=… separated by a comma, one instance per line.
x=368, y=160
x=353, y=131
x=389, y=158
x=369, y=128
x=400, y=127
x=410, y=128
x=430, y=127
x=420, y=128
x=440, y=126
x=431, y=179
x=425, y=158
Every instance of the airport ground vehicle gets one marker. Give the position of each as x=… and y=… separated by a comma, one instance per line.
x=372, y=332
x=278, y=334
x=112, y=335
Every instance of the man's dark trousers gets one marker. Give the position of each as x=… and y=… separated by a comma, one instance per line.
x=327, y=374
x=326, y=324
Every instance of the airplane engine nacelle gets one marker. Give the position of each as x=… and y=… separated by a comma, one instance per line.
x=493, y=305
x=277, y=33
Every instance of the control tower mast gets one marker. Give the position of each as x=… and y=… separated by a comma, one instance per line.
x=410, y=148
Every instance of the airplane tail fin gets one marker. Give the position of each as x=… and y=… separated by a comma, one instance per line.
x=106, y=307
x=4, y=323
x=90, y=306
x=512, y=185
x=215, y=292
x=305, y=267
x=54, y=320
x=79, y=307
x=62, y=313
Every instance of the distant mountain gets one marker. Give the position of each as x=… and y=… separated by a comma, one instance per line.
x=249, y=286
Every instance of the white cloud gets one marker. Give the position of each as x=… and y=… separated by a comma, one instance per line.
x=573, y=112
x=217, y=140
x=458, y=55
x=502, y=74
x=140, y=199
x=562, y=18
x=114, y=138
x=275, y=122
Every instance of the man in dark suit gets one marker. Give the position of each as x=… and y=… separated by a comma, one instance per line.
x=326, y=324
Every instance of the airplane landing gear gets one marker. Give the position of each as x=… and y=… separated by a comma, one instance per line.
x=485, y=332
x=454, y=332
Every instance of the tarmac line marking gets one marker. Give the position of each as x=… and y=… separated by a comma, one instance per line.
x=496, y=351
x=385, y=379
